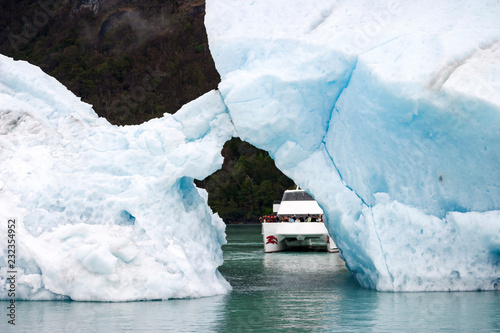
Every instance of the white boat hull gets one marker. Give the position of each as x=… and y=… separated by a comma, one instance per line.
x=282, y=235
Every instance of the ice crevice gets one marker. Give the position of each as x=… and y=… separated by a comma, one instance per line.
x=442, y=75
x=335, y=110
x=324, y=15
x=370, y=218
x=340, y=176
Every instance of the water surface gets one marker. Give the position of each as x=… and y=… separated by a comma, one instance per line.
x=274, y=292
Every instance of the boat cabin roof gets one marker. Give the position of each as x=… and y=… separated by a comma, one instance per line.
x=298, y=202
x=296, y=195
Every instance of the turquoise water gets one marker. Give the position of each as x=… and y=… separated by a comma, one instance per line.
x=276, y=292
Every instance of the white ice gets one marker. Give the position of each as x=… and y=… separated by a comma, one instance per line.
x=388, y=112
x=106, y=213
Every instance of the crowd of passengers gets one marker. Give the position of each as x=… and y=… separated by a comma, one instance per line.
x=293, y=218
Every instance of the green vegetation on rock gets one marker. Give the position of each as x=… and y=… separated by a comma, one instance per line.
x=247, y=184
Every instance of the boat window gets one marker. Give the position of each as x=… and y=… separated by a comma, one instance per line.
x=296, y=195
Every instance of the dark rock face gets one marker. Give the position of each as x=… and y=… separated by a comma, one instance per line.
x=90, y=5
x=115, y=19
x=132, y=60
x=198, y=9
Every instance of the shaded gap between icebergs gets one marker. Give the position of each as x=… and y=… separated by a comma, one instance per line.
x=246, y=185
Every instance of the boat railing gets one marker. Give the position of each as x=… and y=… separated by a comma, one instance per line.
x=291, y=219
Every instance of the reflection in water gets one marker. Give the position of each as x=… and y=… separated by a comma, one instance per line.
x=281, y=291
x=196, y=315
x=313, y=291
x=274, y=292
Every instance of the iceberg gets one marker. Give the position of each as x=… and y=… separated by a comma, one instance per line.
x=388, y=113
x=103, y=212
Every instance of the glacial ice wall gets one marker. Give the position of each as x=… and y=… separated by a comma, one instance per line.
x=388, y=112
x=106, y=213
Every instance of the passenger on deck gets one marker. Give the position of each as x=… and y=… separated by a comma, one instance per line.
x=309, y=218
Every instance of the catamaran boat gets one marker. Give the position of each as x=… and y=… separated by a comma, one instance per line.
x=282, y=235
